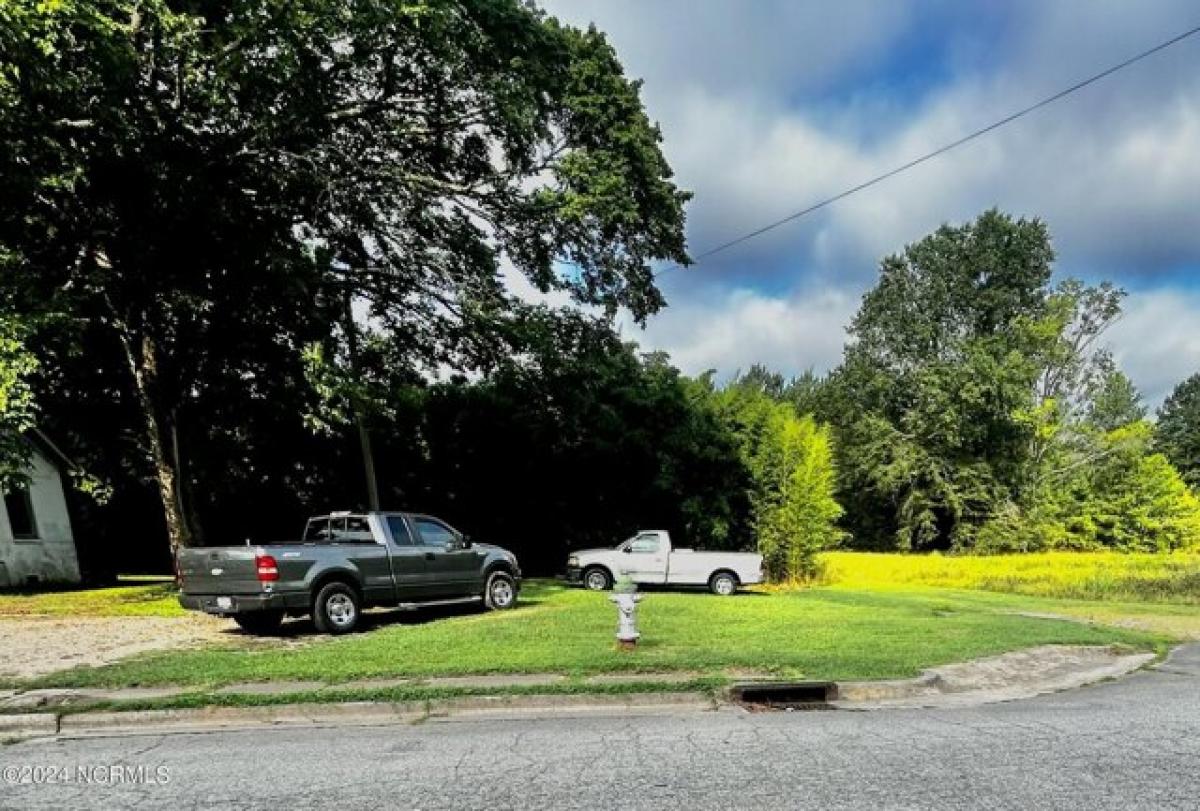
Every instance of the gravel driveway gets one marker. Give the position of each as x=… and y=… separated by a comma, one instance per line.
x=35, y=646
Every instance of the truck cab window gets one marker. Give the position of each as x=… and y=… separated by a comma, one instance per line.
x=351, y=529
x=399, y=529
x=646, y=544
x=434, y=533
x=317, y=531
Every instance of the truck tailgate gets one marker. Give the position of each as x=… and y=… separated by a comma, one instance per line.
x=218, y=570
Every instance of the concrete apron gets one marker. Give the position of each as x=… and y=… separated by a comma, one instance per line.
x=1007, y=677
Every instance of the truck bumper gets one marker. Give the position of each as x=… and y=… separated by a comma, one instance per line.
x=226, y=604
x=574, y=574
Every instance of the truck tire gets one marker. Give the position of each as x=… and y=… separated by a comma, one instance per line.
x=336, y=609
x=723, y=584
x=259, y=622
x=500, y=592
x=597, y=579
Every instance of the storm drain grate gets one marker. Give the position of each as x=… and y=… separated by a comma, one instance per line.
x=796, y=695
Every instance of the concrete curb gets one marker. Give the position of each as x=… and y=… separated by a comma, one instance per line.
x=225, y=718
x=471, y=707
x=28, y=725
x=355, y=713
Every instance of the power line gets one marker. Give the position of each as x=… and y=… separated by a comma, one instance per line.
x=940, y=150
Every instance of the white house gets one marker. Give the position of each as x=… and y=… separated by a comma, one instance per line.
x=37, y=544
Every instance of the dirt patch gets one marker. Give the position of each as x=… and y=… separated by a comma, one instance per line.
x=35, y=646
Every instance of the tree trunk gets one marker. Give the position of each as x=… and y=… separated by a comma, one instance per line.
x=364, y=439
x=143, y=365
x=165, y=474
x=360, y=422
x=184, y=493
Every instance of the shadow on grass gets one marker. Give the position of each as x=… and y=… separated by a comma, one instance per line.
x=379, y=618
x=651, y=588
x=165, y=584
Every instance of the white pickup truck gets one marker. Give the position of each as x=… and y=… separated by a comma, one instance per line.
x=648, y=558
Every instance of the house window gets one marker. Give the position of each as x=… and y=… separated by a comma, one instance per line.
x=20, y=513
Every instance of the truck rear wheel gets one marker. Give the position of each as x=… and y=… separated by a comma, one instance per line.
x=259, y=622
x=723, y=584
x=336, y=609
x=597, y=579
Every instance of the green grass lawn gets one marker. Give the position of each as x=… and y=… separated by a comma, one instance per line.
x=133, y=596
x=824, y=633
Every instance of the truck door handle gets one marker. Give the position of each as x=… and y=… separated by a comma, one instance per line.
x=429, y=556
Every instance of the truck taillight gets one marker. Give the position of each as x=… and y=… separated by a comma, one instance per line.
x=266, y=568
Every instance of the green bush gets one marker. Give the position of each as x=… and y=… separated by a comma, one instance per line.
x=796, y=513
x=1109, y=493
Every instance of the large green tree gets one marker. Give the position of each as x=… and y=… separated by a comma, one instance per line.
x=211, y=187
x=942, y=359
x=964, y=365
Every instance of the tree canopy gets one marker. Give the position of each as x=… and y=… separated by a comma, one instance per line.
x=257, y=255
x=212, y=187
x=16, y=401
x=976, y=407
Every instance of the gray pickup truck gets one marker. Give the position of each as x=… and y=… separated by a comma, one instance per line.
x=346, y=562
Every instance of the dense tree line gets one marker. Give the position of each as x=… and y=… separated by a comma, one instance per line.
x=252, y=265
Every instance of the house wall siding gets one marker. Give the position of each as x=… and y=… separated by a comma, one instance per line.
x=52, y=556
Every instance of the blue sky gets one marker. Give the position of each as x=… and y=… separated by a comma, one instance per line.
x=768, y=106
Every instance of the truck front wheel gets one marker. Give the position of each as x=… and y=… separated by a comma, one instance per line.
x=501, y=591
x=596, y=579
x=259, y=622
x=336, y=609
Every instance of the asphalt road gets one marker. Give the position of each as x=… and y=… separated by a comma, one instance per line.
x=1134, y=743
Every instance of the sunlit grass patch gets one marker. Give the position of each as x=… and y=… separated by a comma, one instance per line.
x=1078, y=575
x=140, y=596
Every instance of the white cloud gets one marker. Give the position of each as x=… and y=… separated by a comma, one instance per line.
x=1157, y=340
x=742, y=327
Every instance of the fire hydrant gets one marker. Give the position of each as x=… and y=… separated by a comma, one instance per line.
x=626, y=598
